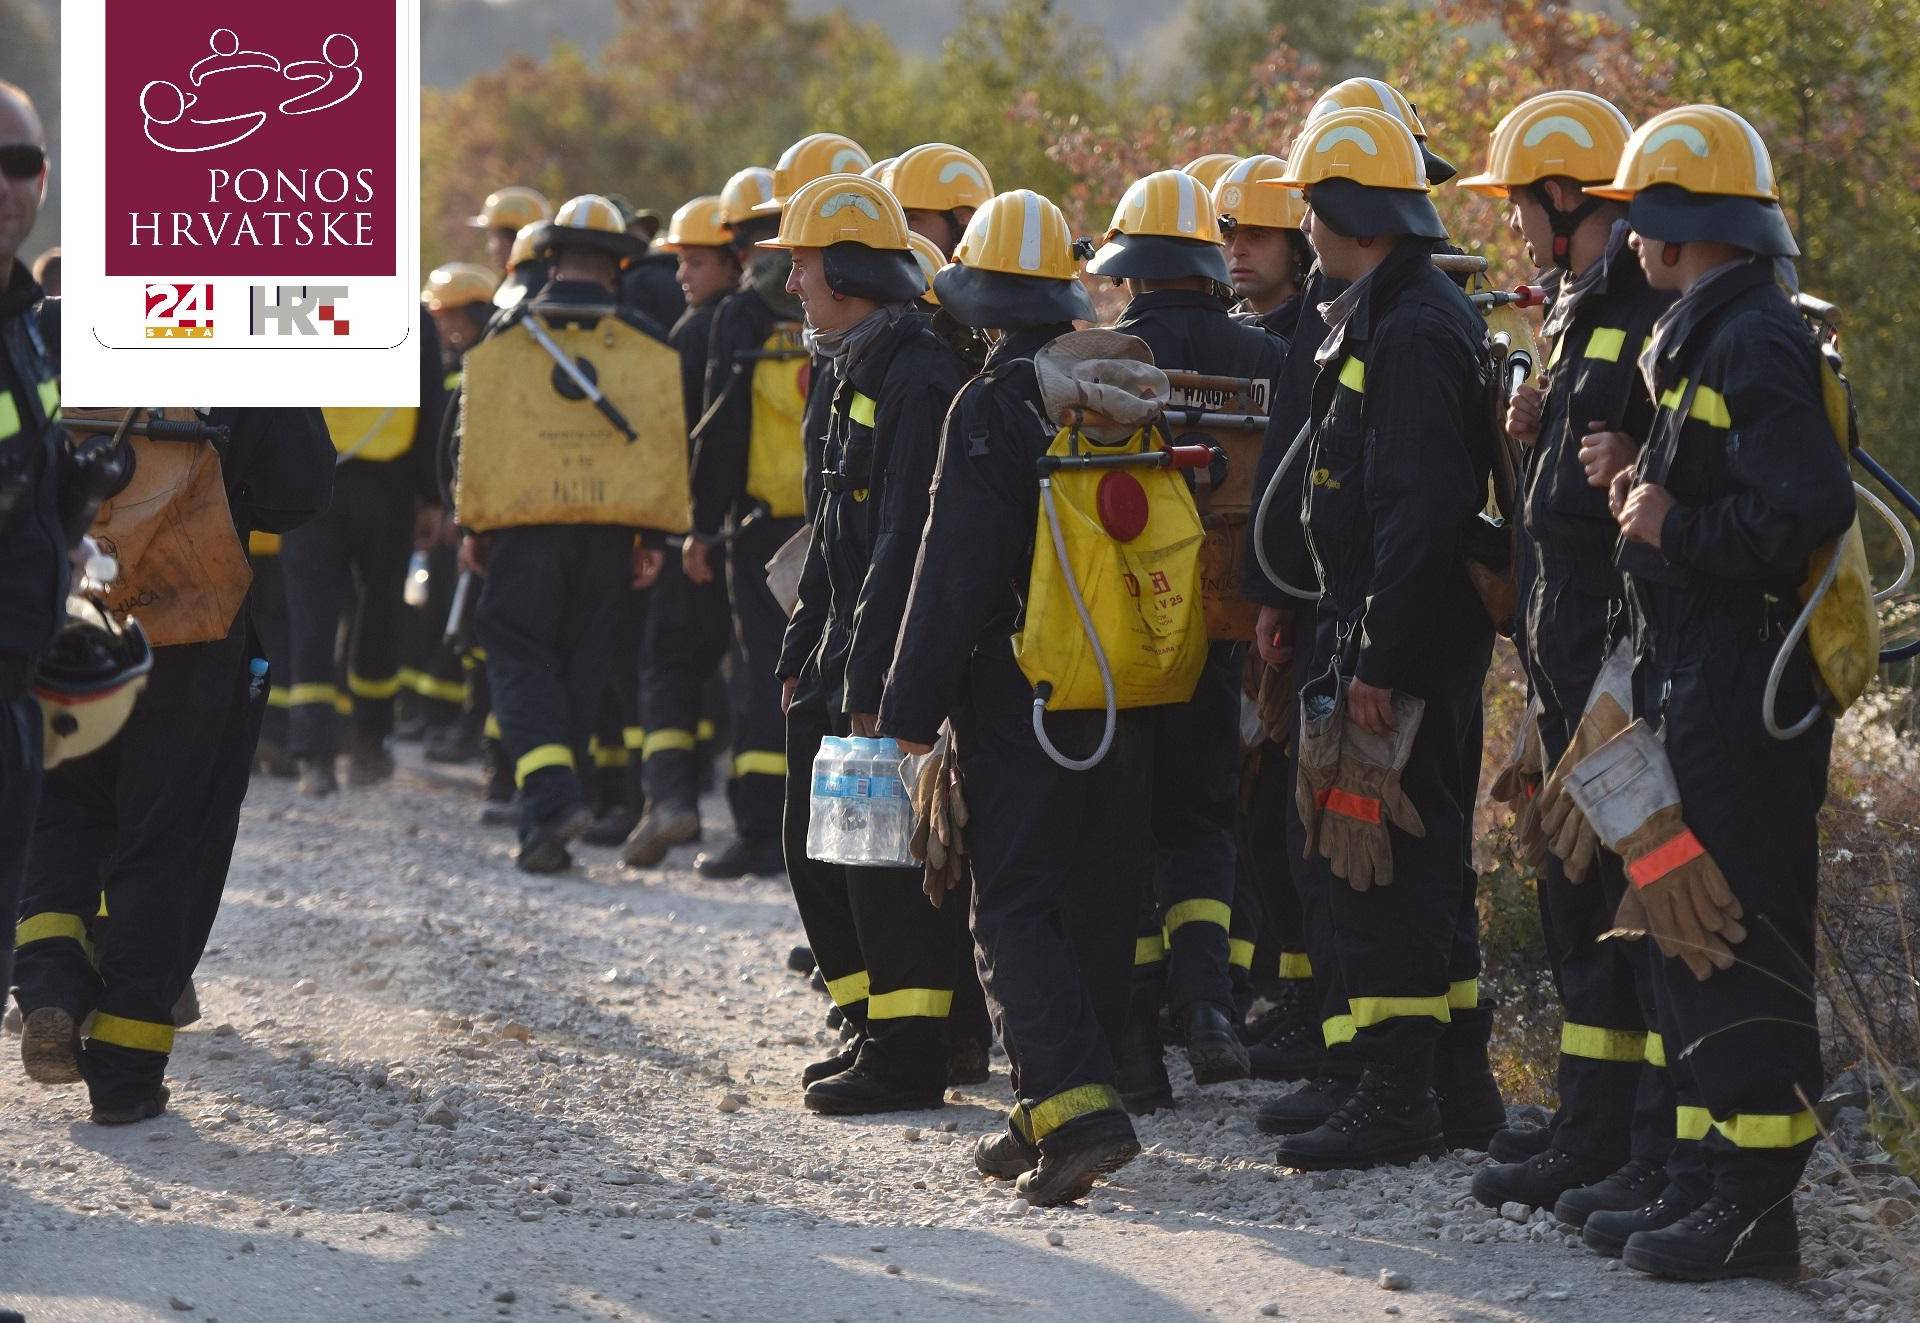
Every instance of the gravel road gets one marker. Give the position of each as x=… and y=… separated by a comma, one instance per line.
x=430, y=1087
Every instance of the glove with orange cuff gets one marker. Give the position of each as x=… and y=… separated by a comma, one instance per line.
x=1676, y=893
x=1365, y=797
x=1609, y=708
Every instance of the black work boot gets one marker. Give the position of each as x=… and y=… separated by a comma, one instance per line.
x=612, y=824
x=1471, y=1110
x=368, y=762
x=1005, y=1156
x=1518, y=1143
x=874, y=1083
x=1213, y=1049
x=144, y=1110
x=829, y=1067
x=317, y=780
x=661, y=827
x=1308, y=1107
x=1076, y=1155
x=1289, y=1054
x=1539, y=1181
x=50, y=1046
x=759, y=856
x=1292, y=1005
x=186, y=1007
x=1607, y=1232
x=800, y=960
x=501, y=785
x=967, y=1062
x=1631, y=1187
x=501, y=812
x=1140, y=1063
x=1722, y=1239
x=456, y=742
x=545, y=850
x=1390, y=1119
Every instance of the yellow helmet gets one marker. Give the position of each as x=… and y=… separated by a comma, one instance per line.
x=927, y=253
x=590, y=222
x=1698, y=173
x=1372, y=94
x=1364, y=176
x=511, y=208
x=1573, y=135
x=700, y=223
x=877, y=172
x=937, y=176
x=1163, y=229
x=746, y=190
x=1248, y=194
x=522, y=251
x=841, y=208
x=457, y=285
x=813, y=156
x=1014, y=266
x=1208, y=169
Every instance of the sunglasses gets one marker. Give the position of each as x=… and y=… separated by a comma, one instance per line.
x=22, y=161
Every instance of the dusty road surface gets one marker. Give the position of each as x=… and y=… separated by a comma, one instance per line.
x=428, y=1087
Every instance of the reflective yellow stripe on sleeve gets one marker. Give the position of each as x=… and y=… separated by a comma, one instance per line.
x=862, y=409
x=902, y=1003
x=1606, y=342
x=49, y=396
x=1656, y=1053
x=848, y=989
x=1048, y=1116
x=759, y=762
x=1592, y=1043
x=1709, y=405
x=547, y=755
x=9, y=415
x=1295, y=964
x=1353, y=375
x=665, y=741
x=140, y=1035
x=1239, y=953
x=1198, y=911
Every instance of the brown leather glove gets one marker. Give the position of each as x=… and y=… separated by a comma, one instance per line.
x=1276, y=702
x=1677, y=893
x=1609, y=709
x=1323, y=708
x=1366, y=797
x=1518, y=786
x=940, y=818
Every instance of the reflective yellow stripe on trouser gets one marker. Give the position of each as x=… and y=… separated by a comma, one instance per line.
x=1295, y=964
x=1149, y=950
x=1044, y=1118
x=547, y=755
x=603, y=756
x=432, y=686
x=848, y=989
x=1198, y=911
x=51, y=927
x=302, y=695
x=930, y=1003
x=140, y=1035
x=1747, y=1129
x=1365, y=1012
x=759, y=762
x=373, y=691
x=1240, y=953
x=1593, y=1043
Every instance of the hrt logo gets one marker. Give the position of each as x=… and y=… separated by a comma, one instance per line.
x=179, y=312
x=298, y=310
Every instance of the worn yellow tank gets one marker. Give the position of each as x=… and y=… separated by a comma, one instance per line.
x=378, y=436
x=1844, y=632
x=535, y=450
x=776, y=455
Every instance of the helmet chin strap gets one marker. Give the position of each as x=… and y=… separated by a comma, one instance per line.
x=1564, y=223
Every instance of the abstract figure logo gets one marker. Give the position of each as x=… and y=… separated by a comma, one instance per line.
x=323, y=84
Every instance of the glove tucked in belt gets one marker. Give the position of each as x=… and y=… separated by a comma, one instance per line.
x=1609, y=709
x=1678, y=895
x=1365, y=796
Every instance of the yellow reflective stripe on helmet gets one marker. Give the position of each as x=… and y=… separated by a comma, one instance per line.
x=901, y=1003
x=1464, y=995
x=279, y=696
x=547, y=755
x=1691, y=1122
x=1709, y=405
x=1198, y=911
x=301, y=695
x=1353, y=375
x=848, y=989
x=1048, y=1116
x=703, y=729
x=49, y=927
x=1369, y=1011
x=634, y=738
x=1239, y=953
x=1295, y=964
x=490, y=728
x=759, y=762
x=664, y=741
x=862, y=409
x=372, y=690
x=1596, y=1044
x=1656, y=1054
x=1149, y=950
x=1606, y=342
x=432, y=686
x=140, y=1035
x=1338, y=1029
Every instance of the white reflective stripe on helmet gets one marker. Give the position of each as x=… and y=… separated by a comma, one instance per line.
x=1031, y=233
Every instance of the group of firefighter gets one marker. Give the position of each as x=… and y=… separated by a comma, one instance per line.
x=1179, y=619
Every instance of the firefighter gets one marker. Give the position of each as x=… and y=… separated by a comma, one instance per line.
x=133, y=840
x=506, y=212
x=1579, y=431
x=1400, y=457
x=1210, y=168
x=1057, y=870
x=1165, y=243
x=1268, y=256
x=870, y=929
x=749, y=491
x=940, y=186
x=354, y=559
x=651, y=281
x=547, y=613
x=687, y=625
x=1737, y=485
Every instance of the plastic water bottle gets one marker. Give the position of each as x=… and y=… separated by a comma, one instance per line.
x=419, y=574
x=257, y=671
x=858, y=812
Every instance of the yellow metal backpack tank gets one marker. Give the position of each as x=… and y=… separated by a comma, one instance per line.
x=776, y=458
x=532, y=451
x=375, y=435
x=1843, y=635
x=1143, y=595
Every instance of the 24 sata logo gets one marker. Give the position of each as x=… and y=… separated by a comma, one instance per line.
x=179, y=312
x=250, y=140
